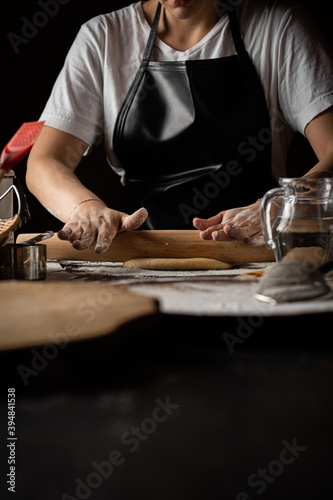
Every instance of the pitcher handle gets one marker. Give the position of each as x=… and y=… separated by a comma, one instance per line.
x=265, y=209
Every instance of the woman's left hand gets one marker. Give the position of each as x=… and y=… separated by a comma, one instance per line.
x=241, y=223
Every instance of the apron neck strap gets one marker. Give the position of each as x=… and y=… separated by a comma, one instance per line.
x=152, y=36
x=236, y=35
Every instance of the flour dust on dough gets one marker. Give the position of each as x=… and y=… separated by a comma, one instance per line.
x=196, y=263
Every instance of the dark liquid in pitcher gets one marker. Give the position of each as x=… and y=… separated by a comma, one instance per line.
x=313, y=245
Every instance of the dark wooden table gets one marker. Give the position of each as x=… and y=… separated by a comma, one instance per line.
x=169, y=409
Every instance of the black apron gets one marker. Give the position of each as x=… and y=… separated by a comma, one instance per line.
x=193, y=137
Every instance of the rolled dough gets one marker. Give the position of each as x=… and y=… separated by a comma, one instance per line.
x=179, y=264
x=313, y=255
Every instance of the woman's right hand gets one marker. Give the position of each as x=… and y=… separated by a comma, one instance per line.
x=93, y=223
x=51, y=178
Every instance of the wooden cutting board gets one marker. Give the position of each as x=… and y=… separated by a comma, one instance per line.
x=39, y=313
x=161, y=243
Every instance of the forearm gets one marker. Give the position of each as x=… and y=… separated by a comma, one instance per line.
x=56, y=186
x=320, y=135
x=51, y=178
x=323, y=165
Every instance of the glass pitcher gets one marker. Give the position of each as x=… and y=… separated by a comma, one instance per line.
x=303, y=228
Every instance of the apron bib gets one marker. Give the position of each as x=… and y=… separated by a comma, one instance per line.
x=193, y=137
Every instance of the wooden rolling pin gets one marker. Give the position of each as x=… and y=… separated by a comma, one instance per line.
x=158, y=243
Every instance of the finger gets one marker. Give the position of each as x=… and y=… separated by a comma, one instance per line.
x=71, y=232
x=64, y=233
x=255, y=240
x=250, y=236
x=221, y=236
x=129, y=222
x=87, y=239
x=208, y=234
x=103, y=244
x=75, y=235
x=230, y=233
x=203, y=224
x=205, y=235
x=104, y=240
x=240, y=232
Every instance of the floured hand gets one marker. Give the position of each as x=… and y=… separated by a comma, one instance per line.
x=241, y=223
x=98, y=225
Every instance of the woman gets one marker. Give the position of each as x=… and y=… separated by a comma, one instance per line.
x=197, y=102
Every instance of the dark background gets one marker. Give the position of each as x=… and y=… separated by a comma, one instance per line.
x=27, y=78
x=234, y=410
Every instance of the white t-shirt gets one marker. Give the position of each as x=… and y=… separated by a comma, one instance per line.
x=292, y=59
